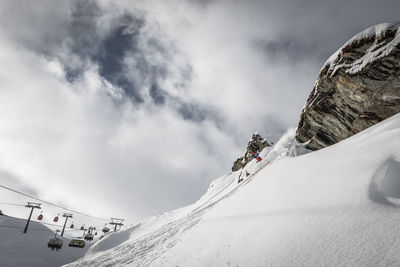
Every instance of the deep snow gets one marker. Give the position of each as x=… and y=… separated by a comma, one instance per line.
x=30, y=249
x=311, y=210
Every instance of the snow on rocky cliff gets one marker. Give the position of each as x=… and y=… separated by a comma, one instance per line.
x=376, y=51
x=328, y=207
x=357, y=87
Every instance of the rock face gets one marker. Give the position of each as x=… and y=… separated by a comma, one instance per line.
x=357, y=87
x=256, y=144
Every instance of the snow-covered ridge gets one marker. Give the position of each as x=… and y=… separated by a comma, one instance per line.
x=157, y=234
x=376, y=51
x=312, y=210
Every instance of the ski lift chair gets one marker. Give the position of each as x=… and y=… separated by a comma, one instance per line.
x=105, y=229
x=88, y=237
x=55, y=243
x=77, y=243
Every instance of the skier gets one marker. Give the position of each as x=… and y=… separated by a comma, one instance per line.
x=256, y=156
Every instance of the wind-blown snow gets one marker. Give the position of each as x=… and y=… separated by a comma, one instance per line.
x=373, y=53
x=311, y=210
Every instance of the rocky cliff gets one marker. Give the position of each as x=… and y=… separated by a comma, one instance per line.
x=357, y=87
x=256, y=144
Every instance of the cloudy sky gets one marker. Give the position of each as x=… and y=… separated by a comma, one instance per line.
x=130, y=108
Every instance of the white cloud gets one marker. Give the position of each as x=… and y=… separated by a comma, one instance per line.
x=73, y=144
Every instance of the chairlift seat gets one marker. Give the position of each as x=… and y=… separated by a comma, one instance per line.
x=88, y=237
x=77, y=243
x=55, y=243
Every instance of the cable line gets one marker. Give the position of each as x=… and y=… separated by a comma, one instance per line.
x=12, y=204
x=52, y=204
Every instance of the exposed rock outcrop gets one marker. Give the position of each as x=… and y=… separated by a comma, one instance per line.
x=357, y=87
x=256, y=144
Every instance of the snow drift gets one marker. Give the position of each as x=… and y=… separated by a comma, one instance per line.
x=311, y=210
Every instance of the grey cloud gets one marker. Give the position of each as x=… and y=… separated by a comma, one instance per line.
x=107, y=49
x=195, y=112
x=117, y=44
x=123, y=55
x=12, y=181
x=202, y=3
x=112, y=52
x=192, y=112
x=292, y=49
x=83, y=30
x=157, y=94
x=40, y=27
x=81, y=33
x=308, y=29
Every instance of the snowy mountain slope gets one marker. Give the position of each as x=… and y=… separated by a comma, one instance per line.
x=30, y=249
x=309, y=210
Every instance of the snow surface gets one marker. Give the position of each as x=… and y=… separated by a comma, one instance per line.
x=30, y=249
x=372, y=54
x=331, y=207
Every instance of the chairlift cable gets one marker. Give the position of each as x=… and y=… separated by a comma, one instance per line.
x=12, y=204
x=52, y=204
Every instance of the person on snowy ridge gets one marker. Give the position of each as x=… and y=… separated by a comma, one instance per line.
x=256, y=156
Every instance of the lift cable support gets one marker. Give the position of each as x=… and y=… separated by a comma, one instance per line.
x=66, y=215
x=33, y=206
x=116, y=222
